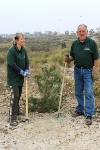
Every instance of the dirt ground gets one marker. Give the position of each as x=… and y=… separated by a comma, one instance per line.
x=46, y=131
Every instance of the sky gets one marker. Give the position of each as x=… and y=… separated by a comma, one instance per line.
x=48, y=15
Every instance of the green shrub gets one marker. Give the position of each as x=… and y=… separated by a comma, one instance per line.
x=1, y=60
x=49, y=83
x=63, y=45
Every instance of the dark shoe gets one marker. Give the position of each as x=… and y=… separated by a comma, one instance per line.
x=76, y=114
x=20, y=113
x=13, y=123
x=88, y=120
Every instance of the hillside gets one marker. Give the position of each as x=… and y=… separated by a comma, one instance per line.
x=45, y=131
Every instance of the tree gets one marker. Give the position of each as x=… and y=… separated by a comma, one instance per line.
x=49, y=83
x=37, y=33
x=67, y=32
x=72, y=33
x=63, y=45
x=91, y=32
x=55, y=33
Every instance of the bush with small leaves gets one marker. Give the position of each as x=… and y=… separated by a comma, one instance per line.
x=49, y=83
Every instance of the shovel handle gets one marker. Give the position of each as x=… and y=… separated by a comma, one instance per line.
x=62, y=86
x=26, y=100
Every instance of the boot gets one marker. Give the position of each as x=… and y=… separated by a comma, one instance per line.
x=13, y=123
x=88, y=120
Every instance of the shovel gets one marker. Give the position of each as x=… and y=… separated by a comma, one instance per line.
x=26, y=101
x=26, y=120
x=59, y=112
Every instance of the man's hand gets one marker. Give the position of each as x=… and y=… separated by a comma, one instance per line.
x=67, y=59
x=95, y=73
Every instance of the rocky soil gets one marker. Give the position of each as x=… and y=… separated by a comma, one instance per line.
x=46, y=131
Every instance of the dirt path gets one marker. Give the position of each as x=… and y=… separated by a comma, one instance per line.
x=46, y=132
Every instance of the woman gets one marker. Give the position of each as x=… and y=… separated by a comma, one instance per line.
x=17, y=69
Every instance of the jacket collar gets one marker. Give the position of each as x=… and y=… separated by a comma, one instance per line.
x=22, y=48
x=84, y=41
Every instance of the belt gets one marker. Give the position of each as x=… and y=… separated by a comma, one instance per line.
x=83, y=67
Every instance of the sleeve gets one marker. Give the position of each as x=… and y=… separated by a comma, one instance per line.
x=72, y=51
x=95, y=51
x=11, y=60
x=15, y=67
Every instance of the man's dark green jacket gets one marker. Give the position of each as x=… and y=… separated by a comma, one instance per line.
x=84, y=53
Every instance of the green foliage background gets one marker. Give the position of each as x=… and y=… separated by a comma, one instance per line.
x=44, y=53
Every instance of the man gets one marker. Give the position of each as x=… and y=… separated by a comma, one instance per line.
x=85, y=55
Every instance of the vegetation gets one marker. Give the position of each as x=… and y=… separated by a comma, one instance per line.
x=47, y=52
x=49, y=83
x=1, y=59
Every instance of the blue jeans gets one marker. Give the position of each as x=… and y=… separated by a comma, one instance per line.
x=84, y=90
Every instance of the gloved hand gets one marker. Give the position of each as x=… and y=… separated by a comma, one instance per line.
x=22, y=73
x=95, y=73
x=67, y=59
x=26, y=73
